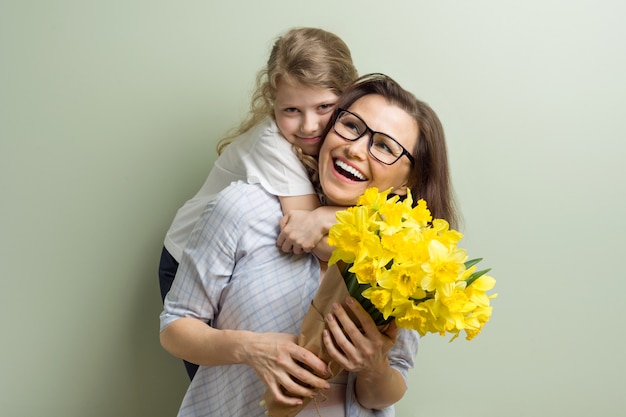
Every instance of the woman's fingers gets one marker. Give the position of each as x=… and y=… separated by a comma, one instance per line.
x=309, y=360
x=302, y=383
x=279, y=395
x=353, y=330
x=289, y=371
x=365, y=320
x=342, y=346
x=357, y=346
x=392, y=331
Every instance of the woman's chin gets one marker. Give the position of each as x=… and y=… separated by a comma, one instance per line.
x=343, y=193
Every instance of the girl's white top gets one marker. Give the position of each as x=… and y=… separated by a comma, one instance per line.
x=260, y=156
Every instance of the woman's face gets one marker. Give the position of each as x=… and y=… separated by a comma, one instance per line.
x=347, y=169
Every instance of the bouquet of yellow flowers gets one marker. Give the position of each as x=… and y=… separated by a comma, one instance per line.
x=403, y=264
x=398, y=263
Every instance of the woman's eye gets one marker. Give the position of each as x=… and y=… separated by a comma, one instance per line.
x=291, y=110
x=383, y=147
x=352, y=127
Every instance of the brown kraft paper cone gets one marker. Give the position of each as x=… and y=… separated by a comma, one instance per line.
x=331, y=290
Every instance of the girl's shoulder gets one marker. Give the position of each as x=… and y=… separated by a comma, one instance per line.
x=268, y=132
x=263, y=134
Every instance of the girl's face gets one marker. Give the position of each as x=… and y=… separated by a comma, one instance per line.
x=302, y=112
x=347, y=168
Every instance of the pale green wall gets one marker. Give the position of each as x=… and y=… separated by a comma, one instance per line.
x=109, y=113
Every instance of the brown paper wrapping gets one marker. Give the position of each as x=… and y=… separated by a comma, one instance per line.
x=331, y=290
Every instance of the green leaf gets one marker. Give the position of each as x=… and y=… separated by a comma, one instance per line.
x=356, y=291
x=472, y=262
x=476, y=275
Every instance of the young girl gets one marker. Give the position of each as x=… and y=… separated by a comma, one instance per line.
x=307, y=70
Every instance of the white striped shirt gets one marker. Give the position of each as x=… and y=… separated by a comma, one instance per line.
x=233, y=275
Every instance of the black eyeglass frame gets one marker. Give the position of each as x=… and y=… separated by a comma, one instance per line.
x=371, y=140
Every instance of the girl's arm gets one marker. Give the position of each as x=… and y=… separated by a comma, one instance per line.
x=305, y=226
x=308, y=202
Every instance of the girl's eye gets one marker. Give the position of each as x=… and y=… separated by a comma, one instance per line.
x=291, y=110
x=327, y=106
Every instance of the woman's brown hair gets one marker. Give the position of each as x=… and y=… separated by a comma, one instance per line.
x=429, y=177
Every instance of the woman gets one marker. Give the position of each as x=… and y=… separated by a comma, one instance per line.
x=233, y=275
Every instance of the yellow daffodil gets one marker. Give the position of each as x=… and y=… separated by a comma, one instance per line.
x=477, y=291
x=373, y=199
x=406, y=265
x=420, y=214
x=380, y=298
x=392, y=218
x=444, y=266
x=348, y=234
x=367, y=271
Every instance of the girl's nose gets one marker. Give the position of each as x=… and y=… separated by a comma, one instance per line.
x=310, y=124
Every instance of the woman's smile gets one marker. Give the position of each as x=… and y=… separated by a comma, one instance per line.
x=350, y=172
x=347, y=168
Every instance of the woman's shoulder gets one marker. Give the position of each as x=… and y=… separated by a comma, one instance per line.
x=241, y=198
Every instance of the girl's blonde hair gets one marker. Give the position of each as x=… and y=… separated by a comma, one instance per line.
x=310, y=56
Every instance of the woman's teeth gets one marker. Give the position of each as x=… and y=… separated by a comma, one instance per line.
x=347, y=170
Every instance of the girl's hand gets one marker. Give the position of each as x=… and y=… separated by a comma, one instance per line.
x=280, y=362
x=300, y=231
x=355, y=349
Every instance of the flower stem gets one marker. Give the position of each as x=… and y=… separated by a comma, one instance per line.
x=356, y=290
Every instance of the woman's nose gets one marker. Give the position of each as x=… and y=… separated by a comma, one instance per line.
x=359, y=148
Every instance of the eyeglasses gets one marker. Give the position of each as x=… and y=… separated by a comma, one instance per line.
x=382, y=147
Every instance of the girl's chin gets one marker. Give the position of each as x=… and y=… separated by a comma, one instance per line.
x=309, y=143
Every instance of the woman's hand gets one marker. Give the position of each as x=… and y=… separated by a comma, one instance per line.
x=276, y=357
x=363, y=349
x=280, y=363
x=357, y=349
